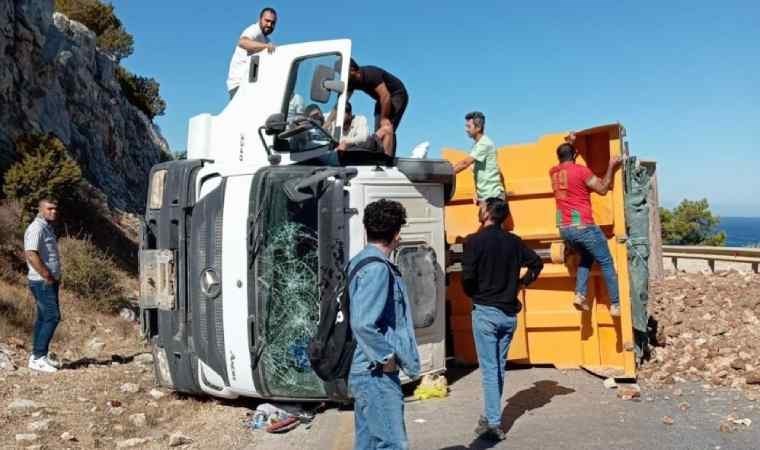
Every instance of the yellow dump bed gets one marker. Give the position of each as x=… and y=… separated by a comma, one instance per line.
x=550, y=330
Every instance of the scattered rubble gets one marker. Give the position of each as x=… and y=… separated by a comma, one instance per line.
x=94, y=347
x=745, y=422
x=6, y=360
x=667, y=420
x=629, y=392
x=26, y=437
x=727, y=427
x=156, y=394
x=176, y=439
x=14, y=341
x=41, y=425
x=145, y=359
x=130, y=388
x=707, y=331
x=132, y=443
x=66, y=436
x=23, y=406
x=138, y=420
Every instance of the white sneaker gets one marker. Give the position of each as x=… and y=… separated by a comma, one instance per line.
x=580, y=302
x=41, y=364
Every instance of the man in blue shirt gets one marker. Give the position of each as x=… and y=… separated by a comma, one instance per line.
x=381, y=322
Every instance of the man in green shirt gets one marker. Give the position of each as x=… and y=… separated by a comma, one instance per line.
x=488, y=182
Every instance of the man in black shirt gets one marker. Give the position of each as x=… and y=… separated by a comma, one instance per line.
x=491, y=266
x=390, y=98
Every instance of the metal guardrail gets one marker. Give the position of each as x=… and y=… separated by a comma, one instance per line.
x=712, y=254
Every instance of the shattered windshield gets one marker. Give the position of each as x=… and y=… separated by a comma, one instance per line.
x=287, y=288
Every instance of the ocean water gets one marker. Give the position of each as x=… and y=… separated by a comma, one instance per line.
x=741, y=231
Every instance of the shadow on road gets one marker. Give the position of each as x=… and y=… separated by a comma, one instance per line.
x=538, y=395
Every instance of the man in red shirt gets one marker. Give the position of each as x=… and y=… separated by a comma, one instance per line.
x=572, y=185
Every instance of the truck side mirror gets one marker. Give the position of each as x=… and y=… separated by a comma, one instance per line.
x=323, y=83
x=275, y=124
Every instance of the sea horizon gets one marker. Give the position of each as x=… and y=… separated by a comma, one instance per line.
x=740, y=231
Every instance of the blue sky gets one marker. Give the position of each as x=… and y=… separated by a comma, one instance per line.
x=682, y=76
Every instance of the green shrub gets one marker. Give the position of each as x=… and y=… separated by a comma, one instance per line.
x=142, y=92
x=112, y=39
x=45, y=170
x=691, y=223
x=90, y=274
x=101, y=20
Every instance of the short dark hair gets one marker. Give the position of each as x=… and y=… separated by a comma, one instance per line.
x=383, y=220
x=565, y=152
x=47, y=199
x=310, y=109
x=498, y=209
x=268, y=9
x=478, y=119
x=353, y=65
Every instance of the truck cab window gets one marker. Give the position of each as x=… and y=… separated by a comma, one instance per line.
x=302, y=105
x=419, y=268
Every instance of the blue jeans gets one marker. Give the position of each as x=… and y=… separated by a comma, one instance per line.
x=493, y=331
x=48, y=315
x=378, y=411
x=591, y=243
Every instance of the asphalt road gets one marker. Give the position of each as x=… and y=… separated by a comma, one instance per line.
x=546, y=408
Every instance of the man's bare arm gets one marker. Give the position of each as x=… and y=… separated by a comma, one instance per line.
x=463, y=164
x=252, y=46
x=36, y=262
x=602, y=186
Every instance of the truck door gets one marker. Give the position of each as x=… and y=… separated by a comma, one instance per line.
x=420, y=257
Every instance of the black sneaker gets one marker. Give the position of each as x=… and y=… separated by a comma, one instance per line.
x=494, y=434
x=482, y=426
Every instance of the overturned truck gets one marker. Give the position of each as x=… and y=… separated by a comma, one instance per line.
x=243, y=240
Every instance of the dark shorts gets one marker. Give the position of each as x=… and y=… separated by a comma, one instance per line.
x=399, y=100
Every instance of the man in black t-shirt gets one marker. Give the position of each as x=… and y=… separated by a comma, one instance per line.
x=491, y=265
x=390, y=98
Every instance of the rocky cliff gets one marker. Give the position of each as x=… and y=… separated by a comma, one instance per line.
x=54, y=80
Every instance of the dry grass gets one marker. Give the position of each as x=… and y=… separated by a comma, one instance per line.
x=80, y=322
x=91, y=274
x=17, y=310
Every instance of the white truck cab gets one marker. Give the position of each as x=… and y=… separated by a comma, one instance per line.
x=242, y=241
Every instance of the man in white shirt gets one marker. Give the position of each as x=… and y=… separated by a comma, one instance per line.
x=355, y=129
x=253, y=40
x=42, y=257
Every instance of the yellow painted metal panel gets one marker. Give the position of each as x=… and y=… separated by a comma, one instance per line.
x=551, y=330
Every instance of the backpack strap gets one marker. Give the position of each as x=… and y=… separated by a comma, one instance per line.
x=360, y=265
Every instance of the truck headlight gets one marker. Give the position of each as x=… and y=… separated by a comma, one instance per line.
x=156, y=194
